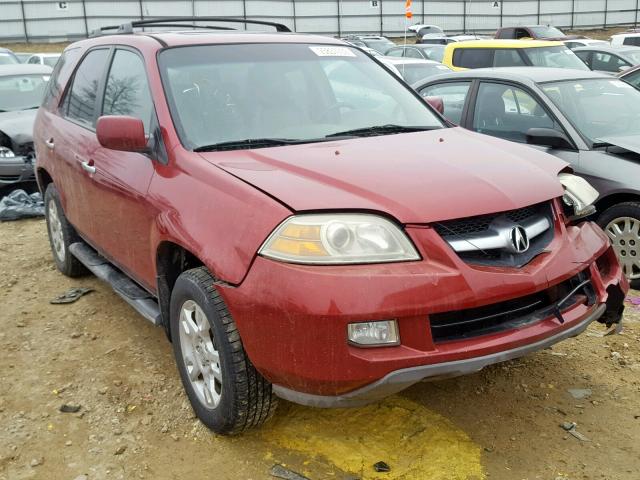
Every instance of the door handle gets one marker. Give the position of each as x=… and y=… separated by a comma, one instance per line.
x=49, y=143
x=87, y=167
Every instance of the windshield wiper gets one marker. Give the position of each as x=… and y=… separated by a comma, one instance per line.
x=249, y=143
x=381, y=130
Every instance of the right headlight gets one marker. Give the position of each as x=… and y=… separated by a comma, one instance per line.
x=334, y=239
x=578, y=195
x=6, y=153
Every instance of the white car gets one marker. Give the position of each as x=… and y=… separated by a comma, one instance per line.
x=49, y=59
x=583, y=42
x=421, y=30
x=413, y=70
x=632, y=39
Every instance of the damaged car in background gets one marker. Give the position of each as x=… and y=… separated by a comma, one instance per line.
x=22, y=88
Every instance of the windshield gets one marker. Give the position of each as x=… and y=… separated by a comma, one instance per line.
x=634, y=56
x=435, y=52
x=556, y=57
x=6, y=59
x=20, y=92
x=599, y=107
x=226, y=93
x=546, y=32
x=414, y=72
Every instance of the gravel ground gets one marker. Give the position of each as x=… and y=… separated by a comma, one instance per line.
x=134, y=421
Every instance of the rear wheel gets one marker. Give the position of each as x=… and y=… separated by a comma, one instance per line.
x=622, y=224
x=225, y=390
x=61, y=234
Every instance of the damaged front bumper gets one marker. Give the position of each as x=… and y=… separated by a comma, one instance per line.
x=16, y=170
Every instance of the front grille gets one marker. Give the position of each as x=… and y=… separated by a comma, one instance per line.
x=466, y=227
x=481, y=223
x=510, y=314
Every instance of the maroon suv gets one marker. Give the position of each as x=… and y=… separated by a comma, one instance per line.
x=302, y=223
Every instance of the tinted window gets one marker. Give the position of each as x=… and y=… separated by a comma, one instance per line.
x=632, y=41
x=508, y=57
x=473, y=57
x=506, y=33
x=508, y=112
x=453, y=96
x=585, y=57
x=127, y=90
x=633, y=79
x=33, y=60
x=573, y=45
x=60, y=74
x=81, y=100
x=607, y=62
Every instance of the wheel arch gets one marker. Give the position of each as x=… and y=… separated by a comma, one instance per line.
x=604, y=203
x=43, y=178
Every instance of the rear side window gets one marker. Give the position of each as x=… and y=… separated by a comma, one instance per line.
x=80, y=103
x=127, y=91
x=607, y=63
x=453, y=95
x=60, y=74
x=632, y=41
x=473, y=57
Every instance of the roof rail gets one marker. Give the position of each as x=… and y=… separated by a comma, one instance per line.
x=128, y=27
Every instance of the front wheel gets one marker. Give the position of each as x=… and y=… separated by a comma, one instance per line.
x=622, y=225
x=226, y=392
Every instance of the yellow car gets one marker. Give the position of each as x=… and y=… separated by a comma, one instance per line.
x=510, y=53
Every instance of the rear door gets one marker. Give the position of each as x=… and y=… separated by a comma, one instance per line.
x=117, y=195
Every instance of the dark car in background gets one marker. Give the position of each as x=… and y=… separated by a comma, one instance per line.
x=425, y=51
x=7, y=57
x=533, y=32
x=605, y=58
x=22, y=88
x=588, y=119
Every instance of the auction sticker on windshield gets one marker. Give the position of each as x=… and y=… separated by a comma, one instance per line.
x=332, y=51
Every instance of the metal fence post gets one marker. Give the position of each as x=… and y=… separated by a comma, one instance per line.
x=464, y=16
x=381, y=19
x=293, y=7
x=84, y=17
x=635, y=23
x=538, y=12
x=573, y=12
x=606, y=5
x=24, y=22
x=501, y=12
x=141, y=11
x=422, y=11
x=339, y=15
x=244, y=10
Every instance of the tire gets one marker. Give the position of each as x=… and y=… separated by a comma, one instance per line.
x=61, y=235
x=227, y=393
x=621, y=223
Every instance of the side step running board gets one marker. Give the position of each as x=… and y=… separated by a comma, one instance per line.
x=133, y=294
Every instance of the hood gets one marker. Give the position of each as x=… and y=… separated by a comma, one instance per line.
x=628, y=142
x=415, y=177
x=18, y=126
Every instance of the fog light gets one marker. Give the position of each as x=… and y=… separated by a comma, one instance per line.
x=373, y=334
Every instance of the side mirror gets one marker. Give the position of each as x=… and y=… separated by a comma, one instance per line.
x=548, y=137
x=436, y=102
x=123, y=133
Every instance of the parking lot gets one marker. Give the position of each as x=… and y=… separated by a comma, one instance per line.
x=135, y=421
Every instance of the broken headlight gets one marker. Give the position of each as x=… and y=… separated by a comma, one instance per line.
x=578, y=195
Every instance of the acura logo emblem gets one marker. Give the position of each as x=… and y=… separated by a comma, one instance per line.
x=519, y=239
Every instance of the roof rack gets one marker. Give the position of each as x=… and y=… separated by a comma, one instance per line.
x=128, y=27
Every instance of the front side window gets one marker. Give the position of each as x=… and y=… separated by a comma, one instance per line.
x=585, y=57
x=473, y=57
x=554, y=57
x=300, y=92
x=22, y=92
x=507, y=112
x=81, y=99
x=127, y=89
x=453, y=95
x=607, y=63
x=599, y=108
x=60, y=74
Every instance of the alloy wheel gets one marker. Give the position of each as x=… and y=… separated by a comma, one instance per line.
x=200, y=355
x=624, y=233
x=55, y=231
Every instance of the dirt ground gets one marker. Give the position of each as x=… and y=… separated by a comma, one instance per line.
x=135, y=422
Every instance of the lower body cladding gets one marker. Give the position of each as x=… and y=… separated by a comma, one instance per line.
x=453, y=318
x=16, y=170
